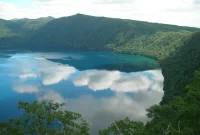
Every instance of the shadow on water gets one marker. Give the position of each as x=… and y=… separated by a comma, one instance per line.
x=123, y=67
x=4, y=56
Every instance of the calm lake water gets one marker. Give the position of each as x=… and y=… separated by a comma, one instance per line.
x=103, y=87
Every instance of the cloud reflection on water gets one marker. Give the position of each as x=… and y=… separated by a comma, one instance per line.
x=100, y=112
x=97, y=80
x=28, y=75
x=50, y=73
x=26, y=88
x=133, y=92
x=120, y=82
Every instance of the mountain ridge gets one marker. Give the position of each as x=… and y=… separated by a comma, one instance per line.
x=80, y=14
x=89, y=33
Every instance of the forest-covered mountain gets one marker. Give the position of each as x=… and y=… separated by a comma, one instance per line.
x=178, y=69
x=21, y=27
x=13, y=33
x=83, y=32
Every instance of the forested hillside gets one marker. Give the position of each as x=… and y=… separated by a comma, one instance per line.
x=159, y=45
x=21, y=27
x=82, y=32
x=179, y=68
x=5, y=31
x=13, y=33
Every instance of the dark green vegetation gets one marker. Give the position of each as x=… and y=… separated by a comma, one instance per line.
x=45, y=118
x=22, y=27
x=159, y=45
x=177, y=49
x=179, y=68
x=13, y=33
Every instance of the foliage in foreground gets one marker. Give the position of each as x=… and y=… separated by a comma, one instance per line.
x=45, y=118
x=125, y=127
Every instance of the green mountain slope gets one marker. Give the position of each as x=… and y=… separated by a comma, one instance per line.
x=5, y=31
x=21, y=27
x=159, y=45
x=82, y=32
x=179, y=68
x=14, y=33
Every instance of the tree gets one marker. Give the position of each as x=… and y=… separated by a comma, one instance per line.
x=45, y=118
x=180, y=115
x=124, y=127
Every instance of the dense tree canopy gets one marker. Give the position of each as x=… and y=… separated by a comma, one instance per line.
x=83, y=32
x=178, y=69
x=45, y=118
x=159, y=45
x=22, y=27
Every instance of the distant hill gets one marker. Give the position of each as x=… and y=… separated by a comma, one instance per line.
x=93, y=33
x=13, y=33
x=21, y=27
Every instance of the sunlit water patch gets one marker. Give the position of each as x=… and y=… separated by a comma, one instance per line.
x=101, y=95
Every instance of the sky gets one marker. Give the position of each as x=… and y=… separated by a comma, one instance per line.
x=178, y=12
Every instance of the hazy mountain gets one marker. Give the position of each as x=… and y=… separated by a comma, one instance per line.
x=21, y=27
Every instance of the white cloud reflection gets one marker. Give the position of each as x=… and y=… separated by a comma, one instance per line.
x=28, y=75
x=97, y=80
x=116, y=81
x=52, y=95
x=53, y=74
x=131, y=84
x=26, y=88
x=133, y=92
x=145, y=90
x=50, y=73
x=100, y=112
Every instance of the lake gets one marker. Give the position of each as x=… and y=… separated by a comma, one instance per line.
x=101, y=86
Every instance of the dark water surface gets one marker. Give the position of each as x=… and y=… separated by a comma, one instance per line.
x=103, y=87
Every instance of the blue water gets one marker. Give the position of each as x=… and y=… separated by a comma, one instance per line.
x=103, y=87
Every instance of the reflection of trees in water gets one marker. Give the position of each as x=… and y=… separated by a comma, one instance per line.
x=128, y=67
x=124, y=67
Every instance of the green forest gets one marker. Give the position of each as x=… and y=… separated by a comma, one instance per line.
x=176, y=48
